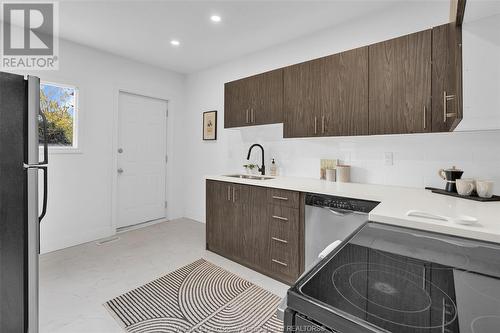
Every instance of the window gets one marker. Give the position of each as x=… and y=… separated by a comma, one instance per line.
x=59, y=105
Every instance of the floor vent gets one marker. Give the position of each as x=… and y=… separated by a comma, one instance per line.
x=108, y=240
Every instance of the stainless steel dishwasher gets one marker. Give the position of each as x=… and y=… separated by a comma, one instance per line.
x=331, y=218
x=328, y=221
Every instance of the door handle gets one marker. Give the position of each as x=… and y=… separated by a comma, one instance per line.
x=247, y=117
x=252, y=116
x=120, y=170
x=229, y=193
x=315, y=125
x=323, y=124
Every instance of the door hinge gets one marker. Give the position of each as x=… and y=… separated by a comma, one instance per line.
x=166, y=204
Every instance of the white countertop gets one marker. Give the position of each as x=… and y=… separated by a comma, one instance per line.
x=396, y=201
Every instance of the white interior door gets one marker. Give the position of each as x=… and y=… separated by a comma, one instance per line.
x=142, y=149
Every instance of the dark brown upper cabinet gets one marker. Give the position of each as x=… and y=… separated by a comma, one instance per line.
x=400, y=85
x=327, y=96
x=410, y=84
x=255, y=100
x=446, y=77
x=302, y=99
x=345, y=96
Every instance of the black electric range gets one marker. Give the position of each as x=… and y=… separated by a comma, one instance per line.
x=392, y=279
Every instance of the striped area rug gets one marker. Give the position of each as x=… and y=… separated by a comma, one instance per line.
x=200, y=298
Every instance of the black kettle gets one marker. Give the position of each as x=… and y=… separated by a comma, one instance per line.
x=450, y=175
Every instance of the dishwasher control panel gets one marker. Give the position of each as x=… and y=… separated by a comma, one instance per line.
x=357, y=205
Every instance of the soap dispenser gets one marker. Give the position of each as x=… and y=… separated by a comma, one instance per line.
x=274, y=168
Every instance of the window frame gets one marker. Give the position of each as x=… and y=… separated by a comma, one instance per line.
x=75, y=148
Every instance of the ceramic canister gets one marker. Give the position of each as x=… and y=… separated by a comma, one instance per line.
x=343, y=173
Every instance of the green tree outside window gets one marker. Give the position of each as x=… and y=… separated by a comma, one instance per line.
x=58, y=105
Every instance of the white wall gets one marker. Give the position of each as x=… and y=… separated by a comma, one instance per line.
x=416, y=157
x=80, y=185
x=481, y=74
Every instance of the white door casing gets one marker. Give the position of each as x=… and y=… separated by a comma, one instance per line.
x=141, y=159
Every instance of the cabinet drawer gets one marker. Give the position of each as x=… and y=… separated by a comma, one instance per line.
x=283, y=258
x=283, y=198
x=283, y=222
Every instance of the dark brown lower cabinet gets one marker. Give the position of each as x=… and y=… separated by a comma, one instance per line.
x=246, y=224
x=221, y=215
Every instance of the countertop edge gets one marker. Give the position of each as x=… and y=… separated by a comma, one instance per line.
x=392, y=200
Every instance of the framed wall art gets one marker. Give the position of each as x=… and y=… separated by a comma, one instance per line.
x=210, y=125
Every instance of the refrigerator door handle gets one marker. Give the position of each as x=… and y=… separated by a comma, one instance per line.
x=45, y=141
x=45, y=192
x=45, y=161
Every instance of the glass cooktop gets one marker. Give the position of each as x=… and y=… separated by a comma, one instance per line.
x=402, y=280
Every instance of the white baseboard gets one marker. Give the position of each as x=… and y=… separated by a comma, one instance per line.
x=140, y=225
x=63, y=243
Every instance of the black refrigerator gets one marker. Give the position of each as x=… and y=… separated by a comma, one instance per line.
x=21, y=166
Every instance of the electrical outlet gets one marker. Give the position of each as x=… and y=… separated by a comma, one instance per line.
x=388, y=158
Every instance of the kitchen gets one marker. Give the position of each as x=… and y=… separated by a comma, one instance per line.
x=263, y=231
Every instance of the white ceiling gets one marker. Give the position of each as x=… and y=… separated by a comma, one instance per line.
x=479, y=9
x=482, y=18
x=142, y=30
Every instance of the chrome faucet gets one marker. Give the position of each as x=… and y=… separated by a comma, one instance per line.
x=262, y=169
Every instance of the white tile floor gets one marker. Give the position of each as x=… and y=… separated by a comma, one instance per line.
x=75, y=282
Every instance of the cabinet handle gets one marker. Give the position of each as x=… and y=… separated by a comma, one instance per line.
x=247, y=118
x=280, y=198
x=279, y=218
x=447, y=114
x=315, y=125
x=279, y=262
x=229, y=193
x=234, y=194
x=279, y=240
x=425, y=116
x=252, y=117
x=323, y=124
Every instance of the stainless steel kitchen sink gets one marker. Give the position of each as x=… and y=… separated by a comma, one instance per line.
x=255, y=177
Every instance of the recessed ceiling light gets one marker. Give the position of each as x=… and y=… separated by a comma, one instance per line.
x=175, y=42
x=215, y=18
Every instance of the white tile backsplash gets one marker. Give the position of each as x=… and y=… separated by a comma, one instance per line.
x=416, y=158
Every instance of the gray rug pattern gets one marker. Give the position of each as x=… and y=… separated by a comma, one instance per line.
x=200, y=298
